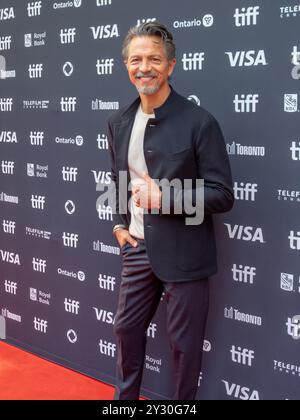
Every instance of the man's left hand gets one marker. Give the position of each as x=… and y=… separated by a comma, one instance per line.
x=147, y=195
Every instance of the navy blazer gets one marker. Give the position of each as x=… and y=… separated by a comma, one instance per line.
x=183, y=141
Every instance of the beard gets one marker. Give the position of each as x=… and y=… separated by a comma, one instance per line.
x=147, y=90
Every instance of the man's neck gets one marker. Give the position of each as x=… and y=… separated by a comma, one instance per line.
x=150, y=102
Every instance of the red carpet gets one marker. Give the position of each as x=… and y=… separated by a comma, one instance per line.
x=24, y=376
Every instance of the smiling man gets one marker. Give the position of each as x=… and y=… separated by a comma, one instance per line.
x=163, y=136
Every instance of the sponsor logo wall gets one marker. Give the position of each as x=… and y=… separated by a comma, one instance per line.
x=59, y=263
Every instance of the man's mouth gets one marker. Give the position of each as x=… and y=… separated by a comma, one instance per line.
x=145, y=78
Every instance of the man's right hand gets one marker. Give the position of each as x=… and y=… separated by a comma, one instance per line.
x=123, y=236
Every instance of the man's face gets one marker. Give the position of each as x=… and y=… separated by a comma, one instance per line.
x=147, y=64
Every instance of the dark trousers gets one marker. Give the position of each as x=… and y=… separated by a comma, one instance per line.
x=187, y=307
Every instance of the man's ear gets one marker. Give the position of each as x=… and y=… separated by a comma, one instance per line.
x=172, y=65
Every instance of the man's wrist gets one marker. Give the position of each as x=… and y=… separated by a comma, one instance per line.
x=118, y=227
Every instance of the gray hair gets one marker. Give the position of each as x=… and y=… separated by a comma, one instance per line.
x=151, y=29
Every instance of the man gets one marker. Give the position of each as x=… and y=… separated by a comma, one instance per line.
x=163, y=136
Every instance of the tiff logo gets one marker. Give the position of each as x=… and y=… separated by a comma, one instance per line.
x=152, y=330
x=294, y=240
x=107, y=348
x=71, y=306
x=107, y=282
x=293, y=327
x=70, y=240
x=141, y=21
x=242, y=356
x=295, y=151
x=69, y=174
x=100, y=3
x=246, y=103
x=243, y=274
x=102, y=141
x=9, y=226
x=295, y=56
x=245, y=192
x=193, y=61
x=5, y=43
x=40, y=325
x=10, y=287
x=35, y=71
x=105, y=66
x=34, y=8
x=6, y=104
x=36, y=138
x=7, y=167
x=39, y=265
x=68, y=104
x=105, y=213
x=246, y=16
x=38, y=202
x=67, y=36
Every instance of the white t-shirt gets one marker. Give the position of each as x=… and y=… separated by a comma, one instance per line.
x=137, y=165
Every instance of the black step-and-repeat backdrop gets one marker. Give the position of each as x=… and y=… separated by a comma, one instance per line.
x=61, y=75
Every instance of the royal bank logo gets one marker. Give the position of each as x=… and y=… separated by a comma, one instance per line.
x=237, y=149
x=39, y=296
x=290, y=11
x=35, y=39
x=5, y=43
x=105, y=32
x=36, y=170
x=206, y=22
x=247, y=58
x=246, y=103
x=246, y=16
x=7, y=13
x=291, y=102
x=288, y=283
x=193, y=61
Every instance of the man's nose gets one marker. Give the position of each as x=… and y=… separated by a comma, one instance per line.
x=145, y=66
